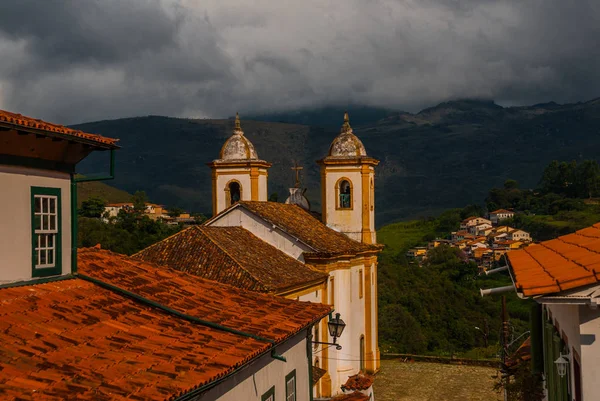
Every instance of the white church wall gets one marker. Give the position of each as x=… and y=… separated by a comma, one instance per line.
x=263, y=230
x=348, y=221
x=263, y=190
x=223, y=178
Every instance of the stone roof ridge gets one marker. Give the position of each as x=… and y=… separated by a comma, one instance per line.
x=206, y=231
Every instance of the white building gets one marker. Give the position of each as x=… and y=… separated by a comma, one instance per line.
x=501, y=214
x=92, y=324
x=560, y=275
x=473, y=221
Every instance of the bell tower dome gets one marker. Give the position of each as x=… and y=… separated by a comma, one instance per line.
x=238, y=173
x=348, y=186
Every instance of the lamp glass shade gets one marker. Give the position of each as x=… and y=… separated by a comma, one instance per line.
x=336, y=326
x=561, y=365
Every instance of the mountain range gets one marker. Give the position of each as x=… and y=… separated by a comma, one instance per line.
x=445, y=156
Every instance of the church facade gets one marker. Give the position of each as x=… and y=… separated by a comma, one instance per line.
x=332, y=260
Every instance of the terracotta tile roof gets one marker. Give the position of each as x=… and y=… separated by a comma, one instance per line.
x=317, y=373
x=231, y=255
x=560, y=264
x=502, y=211
x=359, y=381
x=355, y=396
x=19, y=120
x=301, y=224
x=273, y=317
x=73, y=339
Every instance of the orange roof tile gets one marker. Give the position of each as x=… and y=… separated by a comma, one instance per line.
x=355, y=396
x=21, y=121
x=560, y=264
x=74, y=339
x=301, y=224
x=231, y=255
x=359, y=381
x=501, y=211
x=273, y=317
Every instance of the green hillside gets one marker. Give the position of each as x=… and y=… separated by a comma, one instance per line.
x=442, y=157
x=87, y=190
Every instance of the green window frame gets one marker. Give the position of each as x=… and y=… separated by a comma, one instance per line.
x=269, y=395
x=46, y=232
x=290, y=386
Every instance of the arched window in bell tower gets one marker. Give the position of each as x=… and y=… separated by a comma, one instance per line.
x=344, y=194
x=233, y=192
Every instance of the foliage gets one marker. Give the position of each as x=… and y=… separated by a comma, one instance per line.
x=524, y=384
x=175, y=211
x=127, y=233
x=93, y=207
x=97, y=189
x=274, y=197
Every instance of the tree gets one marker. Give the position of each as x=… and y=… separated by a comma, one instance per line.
x=511, y=184
x=93, y=207
x=273, y=197
x=175, y=211
x=199, y=218
x=139, y=202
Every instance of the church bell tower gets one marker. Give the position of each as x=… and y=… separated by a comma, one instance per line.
x=238, y=173
x=348, y=187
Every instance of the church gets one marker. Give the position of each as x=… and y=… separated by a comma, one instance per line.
x=284, y=250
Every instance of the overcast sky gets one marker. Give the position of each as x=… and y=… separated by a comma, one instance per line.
x=73, y=61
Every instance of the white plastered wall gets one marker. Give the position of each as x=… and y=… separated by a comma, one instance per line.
x=223, y=178
x=589, y=320
x=267, y=372
x=263, y=230
x=15, y=218
x=263, y=190
x=344, y=220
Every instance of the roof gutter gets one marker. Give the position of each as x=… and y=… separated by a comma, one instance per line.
x=74, y=181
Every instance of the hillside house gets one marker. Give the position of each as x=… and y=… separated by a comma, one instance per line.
x=561, y=276
x=501, y=214
x=90, y=324
x=480, y=229
x=473, y=221
x=417, y=252
x=518, y=235
x=153, y=211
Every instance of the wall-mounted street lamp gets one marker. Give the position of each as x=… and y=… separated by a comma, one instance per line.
x=336, y=327
x=561, y=364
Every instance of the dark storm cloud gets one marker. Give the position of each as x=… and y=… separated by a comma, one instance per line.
x=80, y=60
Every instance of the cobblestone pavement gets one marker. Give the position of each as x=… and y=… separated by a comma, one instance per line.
x=423, y=381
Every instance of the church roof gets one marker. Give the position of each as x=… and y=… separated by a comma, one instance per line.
x=237, y=146
x=84, y=339
x=346, y=144
x=231, y=255
x=300, y=224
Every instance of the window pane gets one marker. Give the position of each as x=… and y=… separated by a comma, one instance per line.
x=37, y=222
x=52, y=205
x=50, y=257
x=44, y=205
x=38, y=205
x=42, y=257
x=52, y=222
x=50, y=241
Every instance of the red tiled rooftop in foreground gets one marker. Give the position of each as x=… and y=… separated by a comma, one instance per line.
x=273, y=317
x=28, y=122
x=74, y=339
x=557, y=265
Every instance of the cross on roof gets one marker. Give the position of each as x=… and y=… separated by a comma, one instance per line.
x=297, y=169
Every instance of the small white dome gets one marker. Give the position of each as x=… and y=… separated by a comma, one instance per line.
x=238, y=147
x=346, y=144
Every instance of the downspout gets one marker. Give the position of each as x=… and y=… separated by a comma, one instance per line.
x=309, y=356
x=74, y=182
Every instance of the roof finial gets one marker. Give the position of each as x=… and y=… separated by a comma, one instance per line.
x=297, y=169
x=238, y=126
x=346, y=126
